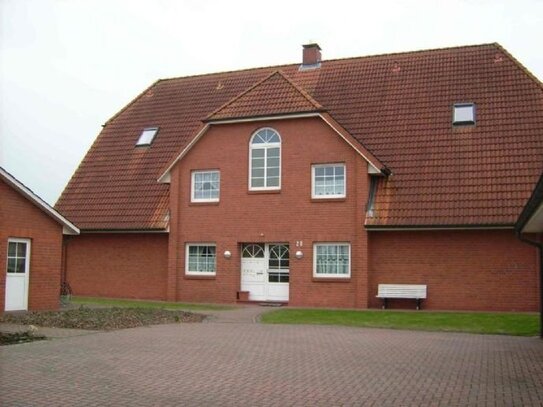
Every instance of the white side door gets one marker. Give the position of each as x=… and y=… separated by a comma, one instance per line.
x=17, y=274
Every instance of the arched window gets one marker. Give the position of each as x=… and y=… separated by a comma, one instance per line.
x=265, y=160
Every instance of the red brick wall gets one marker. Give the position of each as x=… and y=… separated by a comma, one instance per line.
x=124, y=265
x=288, y=216
x=19, y=218
x=464, y=270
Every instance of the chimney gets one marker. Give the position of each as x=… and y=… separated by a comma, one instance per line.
x=311, y=56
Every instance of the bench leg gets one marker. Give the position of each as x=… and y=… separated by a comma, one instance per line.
x=384, y=303
x=418, y=303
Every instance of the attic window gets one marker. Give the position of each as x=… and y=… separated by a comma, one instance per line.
x=147, y=136
x=464, y=114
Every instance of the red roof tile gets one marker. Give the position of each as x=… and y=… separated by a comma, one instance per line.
x=274, y=95
x=399, y=106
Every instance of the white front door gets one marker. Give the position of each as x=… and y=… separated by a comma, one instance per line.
x=17, y=273
x=265, y=271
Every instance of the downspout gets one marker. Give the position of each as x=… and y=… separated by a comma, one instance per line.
x=539, y=245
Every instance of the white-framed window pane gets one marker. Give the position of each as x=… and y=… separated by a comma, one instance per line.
x=201, y=259
x=273, y=172
x=464, y=114
x=16, y=259
x=258, y=163
x=328, y=181
x=147, y=136
x=257, y=182
x=12, y=249
x=265, y=156
x=206, y=185
x=332, y=260
x=258, y=153
x=12, y=265
x=273, y=152
x=273, y=162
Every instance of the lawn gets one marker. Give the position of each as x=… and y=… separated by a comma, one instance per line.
x=112, y=302
x=519, y=324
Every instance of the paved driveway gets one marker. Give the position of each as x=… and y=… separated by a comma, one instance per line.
x=247, y=364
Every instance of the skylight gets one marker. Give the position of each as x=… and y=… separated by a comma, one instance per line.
x=147, y=136
x=464, y=114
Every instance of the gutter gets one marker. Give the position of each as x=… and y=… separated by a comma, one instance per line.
x=539, y=245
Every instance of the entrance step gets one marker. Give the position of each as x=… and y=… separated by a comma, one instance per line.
x=271, y=304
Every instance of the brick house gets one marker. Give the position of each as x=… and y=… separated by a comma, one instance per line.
x=313, y=183
x=31, y=236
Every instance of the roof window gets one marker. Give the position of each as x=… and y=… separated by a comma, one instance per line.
x=147, y=136
x=464, y=114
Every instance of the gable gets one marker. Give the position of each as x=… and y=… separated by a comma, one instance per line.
x=18, y=202
x=226, y=149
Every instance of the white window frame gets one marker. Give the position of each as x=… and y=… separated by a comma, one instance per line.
x=147, y=140
x=315, y=245
x=314, y=167
x=457, y=113
x=199, y=273
x=193, y=190
x=265, y=147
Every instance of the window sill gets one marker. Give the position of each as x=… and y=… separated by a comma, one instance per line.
x=196, y=277
x=264, y=191
x=212, y=203
x=331, y=279
x=342, y=199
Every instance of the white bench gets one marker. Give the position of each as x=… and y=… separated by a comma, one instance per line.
x=409, y=291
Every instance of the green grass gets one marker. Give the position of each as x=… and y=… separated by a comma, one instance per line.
x=472, y=322
x=113, y=302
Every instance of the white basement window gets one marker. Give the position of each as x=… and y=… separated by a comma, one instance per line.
x=201, y=259
x=464, y=114
x=206, y=186
x=147, y=136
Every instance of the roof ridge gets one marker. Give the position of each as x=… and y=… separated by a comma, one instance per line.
x=293, y=64
x=420, y=51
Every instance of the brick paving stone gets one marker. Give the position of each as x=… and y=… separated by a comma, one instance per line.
x=247, y=364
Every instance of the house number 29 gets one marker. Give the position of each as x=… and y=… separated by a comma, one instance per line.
x=299, y=243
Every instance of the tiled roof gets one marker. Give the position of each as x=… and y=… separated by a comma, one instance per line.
x=274, y=95
x=399, y=106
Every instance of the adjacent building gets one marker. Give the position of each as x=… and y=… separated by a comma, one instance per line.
x=31, y=248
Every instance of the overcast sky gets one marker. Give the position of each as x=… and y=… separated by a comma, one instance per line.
x=66, y=66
